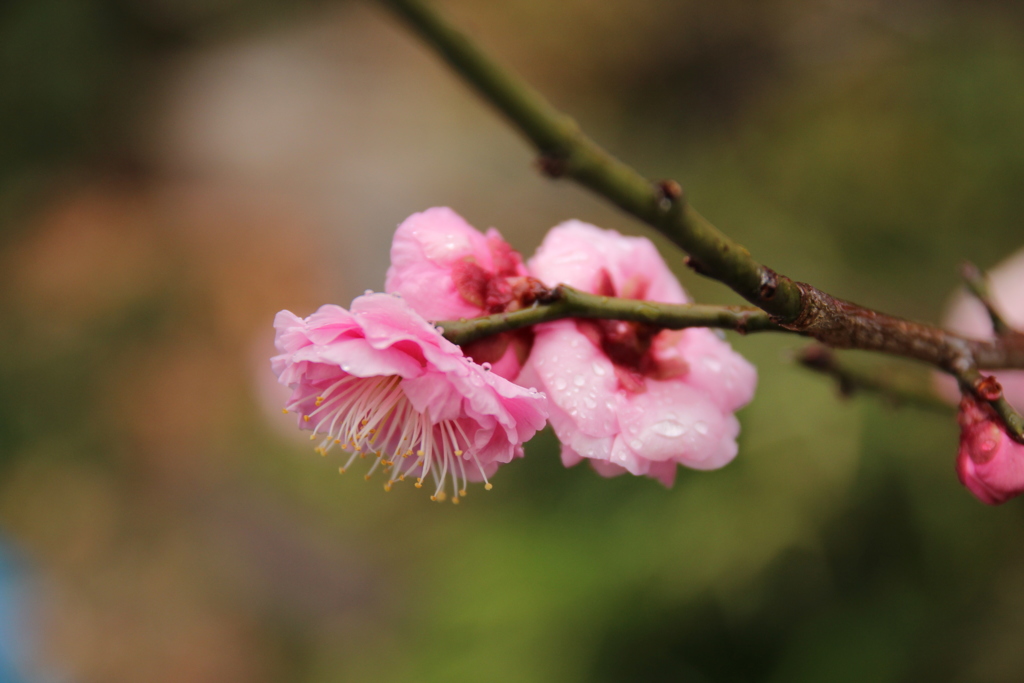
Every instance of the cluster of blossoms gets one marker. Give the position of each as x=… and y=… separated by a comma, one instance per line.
x=378, y=380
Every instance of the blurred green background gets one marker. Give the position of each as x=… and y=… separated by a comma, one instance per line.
x=173, y=173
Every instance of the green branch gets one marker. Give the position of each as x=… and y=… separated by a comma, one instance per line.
x=566, y=151
x=566, y=302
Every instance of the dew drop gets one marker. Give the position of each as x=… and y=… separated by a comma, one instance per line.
x=701, y=427
x=636, y=444
x=579, y=380
x=670, y=428
x=599, y=369
x=368, y=292
x=574, y=343
x=712, y=364
x=560, y=384
x=590, y=403
x=486, y=366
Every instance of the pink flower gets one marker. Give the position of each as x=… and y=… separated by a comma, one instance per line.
x=989, y=463
x=628, y=397
x=380, y=380
x=967, y=316
x=446, y=269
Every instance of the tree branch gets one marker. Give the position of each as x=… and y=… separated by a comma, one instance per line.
x=565, y=302
x=797, y=306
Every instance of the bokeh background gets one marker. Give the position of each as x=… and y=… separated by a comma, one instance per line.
x=173, y=173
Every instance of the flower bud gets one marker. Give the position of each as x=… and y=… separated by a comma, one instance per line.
x=990, y=463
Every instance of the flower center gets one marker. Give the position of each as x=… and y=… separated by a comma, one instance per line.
x=628, y=345
x=373, y=416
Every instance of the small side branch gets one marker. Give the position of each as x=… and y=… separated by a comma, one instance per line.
x=565, y=302
x=977, y=284
x=853, y=379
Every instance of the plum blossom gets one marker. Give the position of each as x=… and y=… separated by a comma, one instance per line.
x=379, y=380
x=628, y=397
x=967, y=316
x=446, y=269
x=990, y=463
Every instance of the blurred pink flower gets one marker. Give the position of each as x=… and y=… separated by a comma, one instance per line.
x=381, y=380
x=446, y=269
x=967, y=316
x=628, y=397
x=989, y=462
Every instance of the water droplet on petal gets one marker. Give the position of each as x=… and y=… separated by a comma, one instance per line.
x=579, y=380
x=486, y=366
x=590, y=403
x=368, y=292
x=701, y=427
x=670, y=428
x=560, y=384
x=636, y=444
x=599, y=369
x=712, y=364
